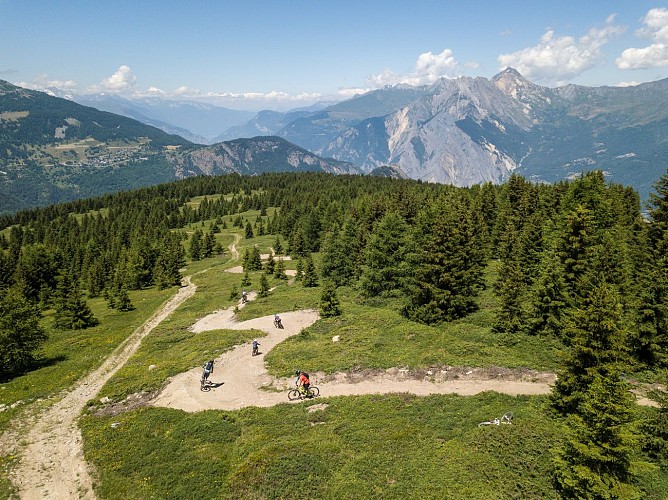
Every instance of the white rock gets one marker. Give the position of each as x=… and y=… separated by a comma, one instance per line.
x=335, y=338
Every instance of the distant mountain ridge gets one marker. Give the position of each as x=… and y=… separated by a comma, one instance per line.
x=466, y=131
x=54, y=150
x=196, y=121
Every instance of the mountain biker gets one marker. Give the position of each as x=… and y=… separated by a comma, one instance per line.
x=255, y=346
x=244, y=296
x=277, y=321
x=302, y=381
x=208, y=369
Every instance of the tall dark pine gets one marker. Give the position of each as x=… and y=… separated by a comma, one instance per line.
x=550, y=299
x=447, y=270
x=384, y=254
x=72, y=311
x=597, y=457
x=598, y=347
x=20, y=333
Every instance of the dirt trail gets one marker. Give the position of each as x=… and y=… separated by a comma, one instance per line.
x=241, y=379
x=52, y=464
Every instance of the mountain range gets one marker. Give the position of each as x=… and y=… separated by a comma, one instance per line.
x=54, y=149
x=460, y=131
x=466, y=131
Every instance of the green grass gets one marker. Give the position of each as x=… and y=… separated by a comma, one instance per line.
x=393, y=446
x=70, y=354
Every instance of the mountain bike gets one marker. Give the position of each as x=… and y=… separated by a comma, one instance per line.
x=298, y=393
x=278, y=323
x=204, y=384
x=505, y=419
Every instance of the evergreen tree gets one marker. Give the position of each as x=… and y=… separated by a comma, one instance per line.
x=573, y=249
x=270, y=266
x=170, y=261
x=21, y=334
x=655, y=428
x=299, y=247
x=300, y=269
x=234, y=292
x=72, y=311
x=329, y=302
x=264, y=286
x=249, y=230
x=384, y=255
x=279, y=272
x=208, y=244
x=310, y=277
x=122, y=300
x=255, y=259
x=597, y=347
x=246, y=281
x=246, y=260
x=278, y=247
x=510, y=316
x=596, y=459
x=447, y=270
x=196, y=245
x=550, y=299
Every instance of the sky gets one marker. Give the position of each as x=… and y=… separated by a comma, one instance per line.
x=287, y=54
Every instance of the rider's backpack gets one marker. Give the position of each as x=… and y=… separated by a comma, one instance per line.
x=305, y=375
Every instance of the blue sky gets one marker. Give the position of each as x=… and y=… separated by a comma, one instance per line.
x=285, y=54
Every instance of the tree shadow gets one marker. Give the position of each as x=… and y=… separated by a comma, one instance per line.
x=36, y=364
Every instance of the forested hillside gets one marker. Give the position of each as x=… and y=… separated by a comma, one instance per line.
x=574, y=264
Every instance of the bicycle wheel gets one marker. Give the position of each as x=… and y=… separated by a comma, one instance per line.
x=294, y=394
x=313, y=392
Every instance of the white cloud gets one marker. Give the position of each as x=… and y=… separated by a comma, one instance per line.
x=429, y=67
x=123, y=81
x=42, y=82
x=627, y=84
x=556, y=59
x=654, y=55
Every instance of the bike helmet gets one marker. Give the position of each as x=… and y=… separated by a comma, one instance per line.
x=298, y=372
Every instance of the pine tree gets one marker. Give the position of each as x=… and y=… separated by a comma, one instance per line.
x=573, y=250
x=21, y=334
x=279, y=272
x=598, y=347
x=122, y=301
x=208, y=244
x=299, y=269
x=245, y=281
x=446, y=264
x=597, y=457
x=329, y=302
x=264, y=286
x=310, y=277
x=72, y=311
x=510, y=316
x=255, y=259
x=278, y=247
x=655, y=428
x=550, y=299
x=196, y=245
x=384, y=255
x=270, y=266
x=249, y=230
